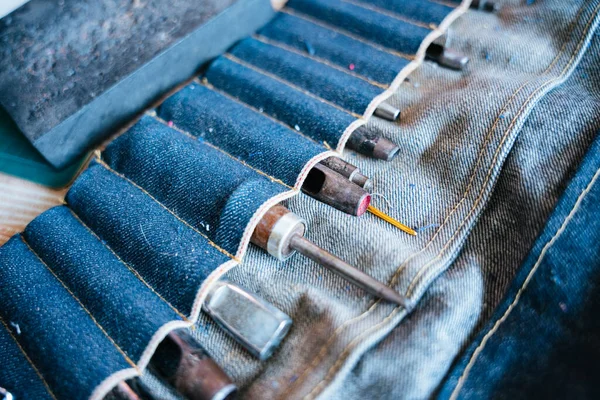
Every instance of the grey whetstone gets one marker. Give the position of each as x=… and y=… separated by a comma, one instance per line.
x=73, y=71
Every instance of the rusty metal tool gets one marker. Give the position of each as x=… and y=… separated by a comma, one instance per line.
x=349, y=171
x=185, y=365
x=330, y=187
x=372, y=145
x=387, y=111
x=281, y=232
x=446, y=57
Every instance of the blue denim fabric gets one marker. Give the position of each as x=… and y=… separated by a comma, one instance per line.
x=380, y=28
x=543, y=341
x=335, y=47
x=212, y=192
x=242, y=132
x=312, y=117
x=426, y=11
x=458, y=131
x=101, y=282
x=17, y=375
x=59, y=336
x=170, y=256
x=340, y=88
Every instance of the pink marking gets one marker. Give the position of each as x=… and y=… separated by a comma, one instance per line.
x=170, y=123
x=364, y=204
x=351, y=67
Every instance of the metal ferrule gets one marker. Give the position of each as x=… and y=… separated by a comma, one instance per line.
x=335, y=190
x=349, y=171
x=446, y=57
x=253, y=322
x=372, y=145
x=387, y=111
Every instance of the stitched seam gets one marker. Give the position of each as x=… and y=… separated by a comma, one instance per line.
x=210, y=86
x=284, y=46
x=37, y=371
x=350, y=35
x=573, y=56
x=107, y=167
x=208, y=143
x=388, y=13
x=497, y=152
x=236, y=60
x=523, y=287
x=129, y=361
x=133, y=271
x=323, y=351
x=347, y=350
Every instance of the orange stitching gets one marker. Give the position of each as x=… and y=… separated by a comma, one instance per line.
x=223, y=251
x=37, y=371
x=133, y=271
x=206, y=142
x=129, y=361
x=320, y=60
x=350, y=35
x=387, y=13
x=523, y=287
x=210, y=86
x=236, y=60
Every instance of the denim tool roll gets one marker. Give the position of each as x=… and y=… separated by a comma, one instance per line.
x=90, y=288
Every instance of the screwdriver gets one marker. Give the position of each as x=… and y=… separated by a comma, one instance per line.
x=281, y=232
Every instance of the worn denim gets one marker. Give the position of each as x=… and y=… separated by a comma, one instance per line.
x=51, y=327
x=464, y=139
x=338, y=87
x=241, y=132
x=544, y=338
x=459, y=133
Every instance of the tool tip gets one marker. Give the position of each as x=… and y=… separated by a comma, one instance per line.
x=380, y=214
x=394, y=297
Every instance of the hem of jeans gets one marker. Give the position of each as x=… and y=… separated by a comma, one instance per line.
x=565, y=222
